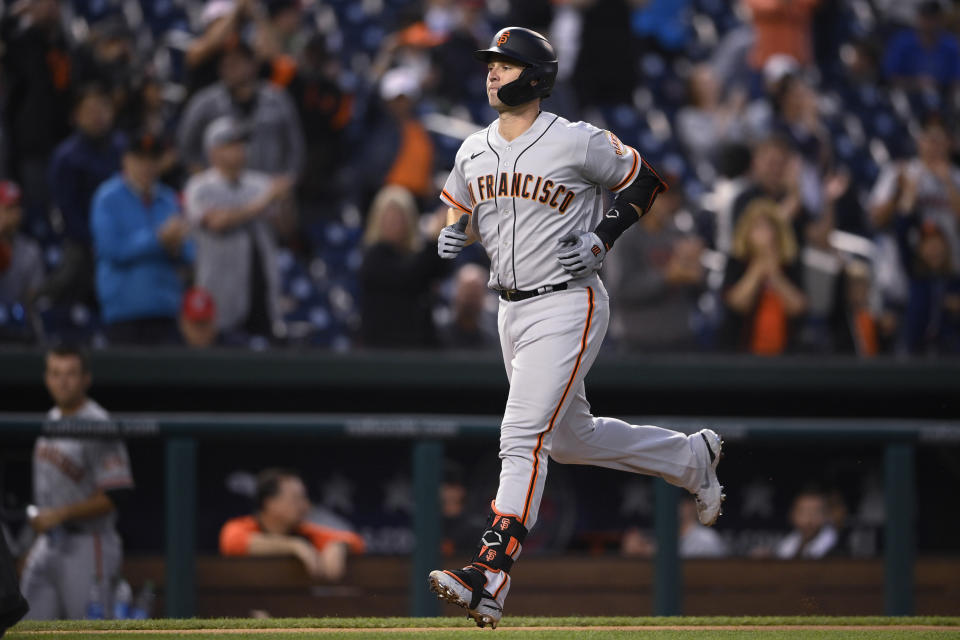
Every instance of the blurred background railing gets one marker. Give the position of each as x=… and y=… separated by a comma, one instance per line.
x=427, y=435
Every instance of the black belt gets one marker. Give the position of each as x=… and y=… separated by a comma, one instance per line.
x=515, y=295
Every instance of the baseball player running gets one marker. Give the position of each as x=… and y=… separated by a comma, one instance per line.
x=528, y=187
x=76, y=484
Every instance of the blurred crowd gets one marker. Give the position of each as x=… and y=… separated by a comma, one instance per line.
x=263, y=173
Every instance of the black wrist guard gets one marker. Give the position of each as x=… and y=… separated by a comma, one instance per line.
x=615, y=221
x=641, y=192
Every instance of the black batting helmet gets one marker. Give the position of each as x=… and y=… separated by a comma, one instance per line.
x=533, y=51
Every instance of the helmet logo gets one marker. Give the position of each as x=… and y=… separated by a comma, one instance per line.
x=502, y=40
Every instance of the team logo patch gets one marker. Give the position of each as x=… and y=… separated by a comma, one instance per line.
x=504, y=524
x=595, y=250
x=615, y=143
x=491, y=539
x=502, y=40
x=491, y=554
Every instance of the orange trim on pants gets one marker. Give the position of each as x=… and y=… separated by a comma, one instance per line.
x=493, y=507
x=506, y=581
x=531, y=487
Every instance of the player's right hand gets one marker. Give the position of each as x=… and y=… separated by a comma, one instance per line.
x=453, y=238
x=45, y=519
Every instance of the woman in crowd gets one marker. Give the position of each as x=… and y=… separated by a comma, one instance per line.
x=762, y=291
x=398, y=273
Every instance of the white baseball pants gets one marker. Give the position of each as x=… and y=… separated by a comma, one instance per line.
x=549, y=343
x=62, y=567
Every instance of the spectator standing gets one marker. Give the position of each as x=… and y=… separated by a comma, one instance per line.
x=148, y=111
x=656, y=281
x=472, y=325
x=107, y=58
x=707, y=121
x=37, y=83
x=139, y=241
x=781, y=26
x=279, y=527
x=325, y=110
x=854, y=323
x=278, y=38
x=80, y=164
x=400, y=152
x=927, y=184
x=797, y=117
x=925, y=57
x=453, y=68
x=21, y=263
x=276, y=138
x=762, y=289
x=931, y=321
x=776, y=175
x=397, y=275
x=220, y=24
x=77, y=484
x=236, y=252
x=85, y=160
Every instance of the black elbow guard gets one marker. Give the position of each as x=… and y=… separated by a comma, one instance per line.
x=641, y=192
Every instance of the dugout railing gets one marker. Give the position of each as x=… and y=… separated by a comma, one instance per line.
x=428, y=435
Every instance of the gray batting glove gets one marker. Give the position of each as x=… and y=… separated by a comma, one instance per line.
x=452, y=238
x=581, y=253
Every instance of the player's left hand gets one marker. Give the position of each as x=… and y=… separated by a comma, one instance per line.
x=581, y=253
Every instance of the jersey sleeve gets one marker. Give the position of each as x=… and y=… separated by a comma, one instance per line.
x=455, y=193
x=610, y=163
x=111, y=465
x=320, y=537
x=235, y=536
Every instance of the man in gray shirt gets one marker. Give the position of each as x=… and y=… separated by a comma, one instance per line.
x=235, y=247
x=276, y=137
x=655, y=280
x=76, y=484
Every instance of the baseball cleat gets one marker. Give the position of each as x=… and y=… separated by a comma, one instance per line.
x=710, y=495
x=465, y=588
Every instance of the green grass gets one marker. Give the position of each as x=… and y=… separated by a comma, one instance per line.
x=459, y=621
x=529, y=634
x=525, y=628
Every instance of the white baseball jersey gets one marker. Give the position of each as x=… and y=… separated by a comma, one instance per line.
x=525, y=194
x=68, y=470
